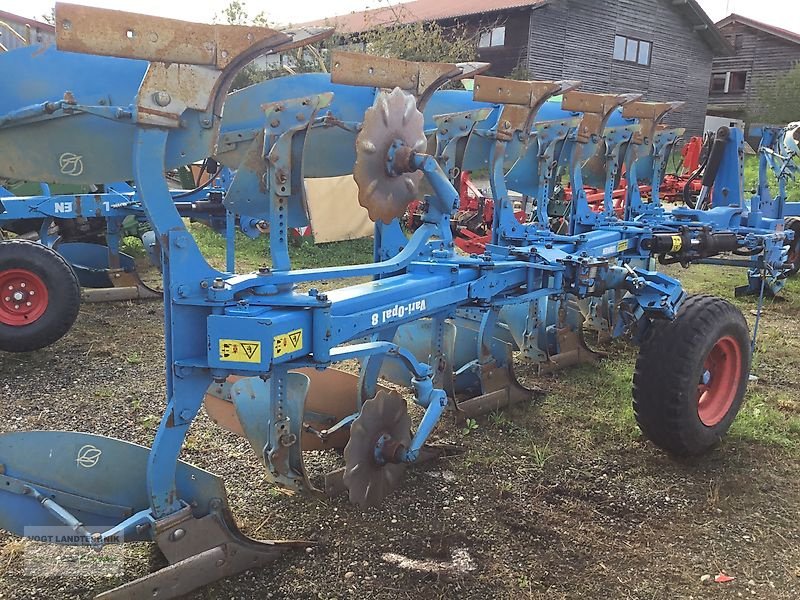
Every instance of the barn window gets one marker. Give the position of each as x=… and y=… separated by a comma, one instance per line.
x=493, y=37
x=738, y=81
x=719, y=81
x=632, y=50
x=731, y=82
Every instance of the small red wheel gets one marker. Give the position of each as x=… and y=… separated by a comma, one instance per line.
x=719, y=381
x=691, y=375
x=39, y=296
x=23, y=297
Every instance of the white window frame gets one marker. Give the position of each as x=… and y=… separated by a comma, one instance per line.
x=627, y=40
x=493, y=38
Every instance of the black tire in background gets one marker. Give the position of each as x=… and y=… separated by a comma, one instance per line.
x=793, y=223
x=39, y=296
x=691, y=376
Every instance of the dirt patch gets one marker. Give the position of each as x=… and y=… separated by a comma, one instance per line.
x=551, y=500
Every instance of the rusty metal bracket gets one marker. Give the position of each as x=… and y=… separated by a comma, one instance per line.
x=418, y=78
x=200, y=551
x=521, y=99
x=525, y=93
x=500, y=389
x=131, y=35
x=649, y=115
x=190, y=63
x=596, y=109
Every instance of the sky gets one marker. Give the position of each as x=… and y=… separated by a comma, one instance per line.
x=782, y=13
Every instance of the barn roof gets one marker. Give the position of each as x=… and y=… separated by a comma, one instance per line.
x=439, y=10
x=420, y=10
x=12, y=18
x=789, y=36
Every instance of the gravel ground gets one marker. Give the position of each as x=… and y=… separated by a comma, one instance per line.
x=541, y=504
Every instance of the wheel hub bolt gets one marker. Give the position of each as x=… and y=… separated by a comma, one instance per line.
x=18, y=296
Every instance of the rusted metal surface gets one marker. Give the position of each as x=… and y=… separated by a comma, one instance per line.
x=522, y=99
x=650, y=115
x=525, y=93
x=596, y=109
x=200, y=551
x=334, y=480
x=512, y=119
x=169, y=89
x=394, y=117
x=302, y=36
x=350, y=68
x=130, y=35
x=384, y=416
x=501, y=389
x=331, y=397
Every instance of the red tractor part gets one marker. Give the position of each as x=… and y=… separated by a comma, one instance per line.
x=23, y=299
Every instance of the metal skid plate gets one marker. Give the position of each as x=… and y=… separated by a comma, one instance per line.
x=368, y=482
x=394, y=117
x=331, y=397
x=418, y=338
x=200, y=551
x=100, y=480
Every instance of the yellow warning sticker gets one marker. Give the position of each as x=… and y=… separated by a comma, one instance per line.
x=622, y=246
x=245, y=351
x=286, y=343
x=677, y=243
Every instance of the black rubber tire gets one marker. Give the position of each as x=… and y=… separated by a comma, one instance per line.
x=63, y=290
x=669, y=368
x=793, y=223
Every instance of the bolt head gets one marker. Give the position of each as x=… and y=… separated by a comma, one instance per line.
x=162, y=98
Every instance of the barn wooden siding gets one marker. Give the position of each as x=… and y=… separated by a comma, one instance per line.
x=763, y=56
x=513, y=53
x=574, y=39
x=38, y=32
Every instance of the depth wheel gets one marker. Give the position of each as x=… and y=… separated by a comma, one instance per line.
x=383, y=424
x=793, y=223
x=39, y=296
x=691, y=376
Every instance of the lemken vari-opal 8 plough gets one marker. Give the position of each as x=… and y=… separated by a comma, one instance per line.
x=260, y=353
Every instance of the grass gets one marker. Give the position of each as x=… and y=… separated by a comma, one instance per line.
x=254, y=253
x=251, y=254
x=593, y=401
x=750, y=176
x=771, y=413
x=763, y=420
x=751, y=180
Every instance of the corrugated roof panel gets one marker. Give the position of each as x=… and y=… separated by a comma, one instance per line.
x=419, y=10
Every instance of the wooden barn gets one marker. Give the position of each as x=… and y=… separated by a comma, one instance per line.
x=661, y=48
x=16, y=31
x=762, y=53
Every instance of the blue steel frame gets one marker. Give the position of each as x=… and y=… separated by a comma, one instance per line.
x=208, y=313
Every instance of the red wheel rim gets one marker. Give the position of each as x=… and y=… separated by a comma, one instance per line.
x=719, y=382
x=23, y=297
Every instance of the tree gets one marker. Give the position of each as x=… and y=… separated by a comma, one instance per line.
x=50, y=18
x=419, y=41
x=780, y=101
x=236, y=14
